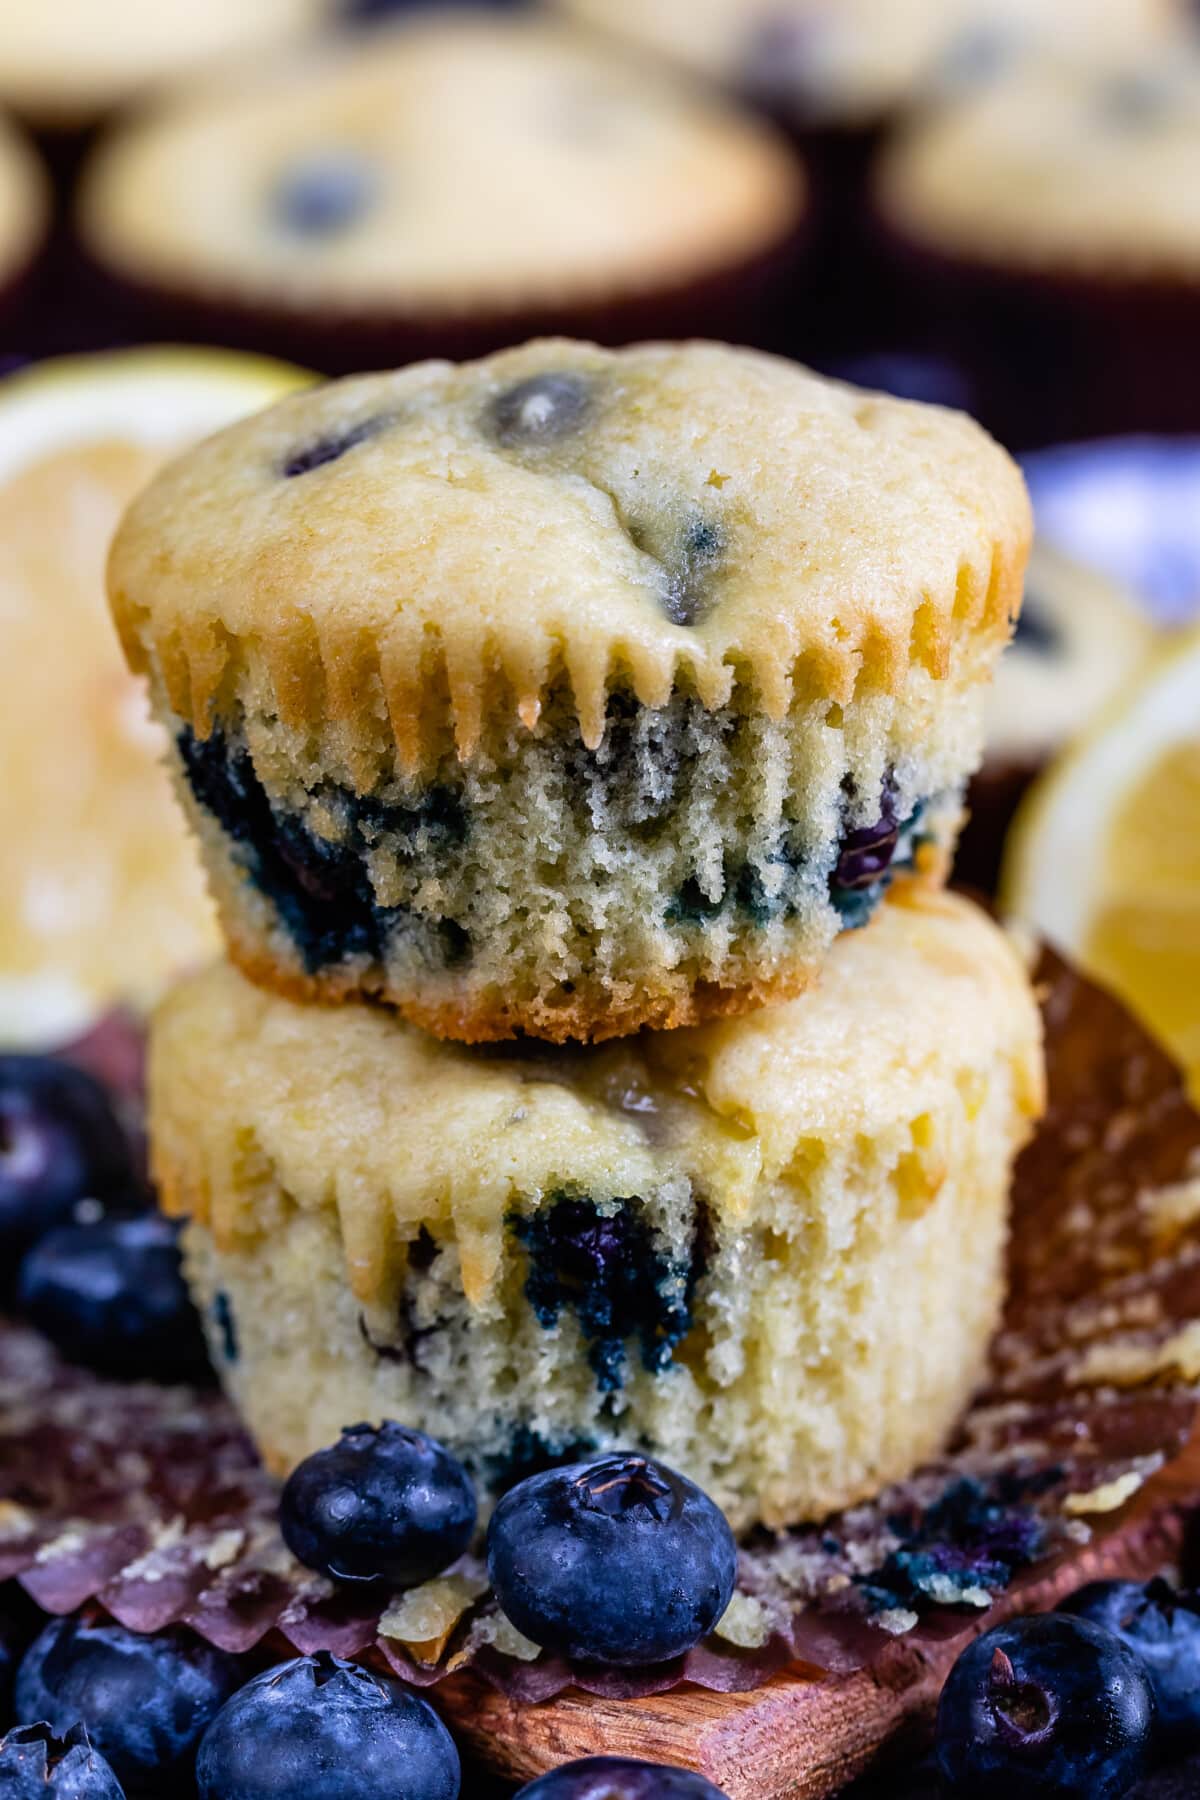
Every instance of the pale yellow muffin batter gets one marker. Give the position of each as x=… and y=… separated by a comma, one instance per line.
x=460, y=164
x=571, y=691
x=1089, y=170
x=769, y=1251
x=24, y=204
x=66, y=64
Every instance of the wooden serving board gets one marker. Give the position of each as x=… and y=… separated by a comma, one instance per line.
x=801, y=1737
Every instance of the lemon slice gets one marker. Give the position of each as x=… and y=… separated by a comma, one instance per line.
x=1104, y=857
x=101, y=899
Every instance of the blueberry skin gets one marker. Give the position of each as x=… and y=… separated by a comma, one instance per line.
x=112, y=1297
x=60, y=1143
x=318, y=1728
x=383, y=1504
x=619, y=1778
x=37, y=1765
x=1048, y=1705
x=618, y=1561
x=146, y=1700
x=1162, y=1626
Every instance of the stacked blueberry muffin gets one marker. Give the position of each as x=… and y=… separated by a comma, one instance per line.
x=569, y=696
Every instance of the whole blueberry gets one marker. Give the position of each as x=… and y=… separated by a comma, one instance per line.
x=615, y=1561
x=112, y=1296
x=1162, y=1625
x=319, y=1728
x=146, y=1700
x=382, y=1504
x=37, y=1765
x=61, y=1144
x=1046, y=1705
x=618, y=1778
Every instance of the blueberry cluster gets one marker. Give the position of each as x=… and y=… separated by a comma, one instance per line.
x=602, y=1264
x=321, y=887
x=1076, y=1704
x=92, y=1266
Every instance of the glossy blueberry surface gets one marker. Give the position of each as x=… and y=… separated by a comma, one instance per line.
x=146, y=1701
x=60, y=1144
x=382, y=1504
x=37, y=1765
x=1162, y=1625
x=112, y=1297
x=318, y=1728
x=618, y=1561
x=619, y=1778
x=1048, y=1705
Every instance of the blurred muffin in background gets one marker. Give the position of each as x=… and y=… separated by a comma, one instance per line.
x=66, y=64
x=101, y=896
x=24, y=214
x=838, y=73
x=442, y=187
x=1079, y=640
x=1049, y=222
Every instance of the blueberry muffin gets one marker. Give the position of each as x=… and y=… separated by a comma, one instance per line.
x=64, y=65
x=449, y=185
x=1080, y=639
x=767, y=1250
x=25, y=206
x=575, y=690
x=1053, y=216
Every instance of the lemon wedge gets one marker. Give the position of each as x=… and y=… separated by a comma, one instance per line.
x=1104, y=856
x=101, y=898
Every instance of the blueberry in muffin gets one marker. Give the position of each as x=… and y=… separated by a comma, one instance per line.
x=767, y=1252
x=571, y=691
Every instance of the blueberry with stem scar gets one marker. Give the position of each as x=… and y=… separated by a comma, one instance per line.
x=35, y=1764
x=1161, y=1624
x=619, y=1561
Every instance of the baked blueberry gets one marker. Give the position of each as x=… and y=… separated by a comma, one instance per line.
x=1045, y=1705
x=146, y=1700
x=620, y=1561
x=37, y=1765
x=382, y=1504
x=324, y=193
x=112, y=1296
x=540, y=410
x=333, y=446
x=318, y=1728
x=619, y=1778
x=1162, y=1625
x=60, y=1144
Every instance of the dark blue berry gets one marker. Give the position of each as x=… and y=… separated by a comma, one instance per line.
x=319, y=1728
x=112, y=1296
x=1162, y=1625
x=37, y=1765
x=60, y=1145
x=333, y=446
x=619, y=1778
x=382, y=1504
x=324, y=194
x=540, y=410
x=1048, y=1705
x=619, y=1561
x=866, y=855
x=146, y=1700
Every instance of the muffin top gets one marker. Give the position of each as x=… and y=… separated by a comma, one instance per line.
x=1061, y=167
x=914, y=1016
x=24, y=202
x=67, y=63
x=849, y=62
x=665, y=514
x=1080, y=639
x=454, y=163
